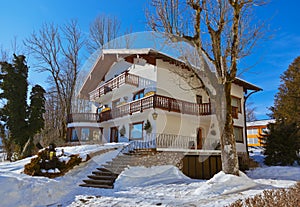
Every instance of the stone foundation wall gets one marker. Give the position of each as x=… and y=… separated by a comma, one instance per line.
x=160, y=158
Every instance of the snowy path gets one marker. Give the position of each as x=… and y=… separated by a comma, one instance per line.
x=137, y=186
x=218, y=191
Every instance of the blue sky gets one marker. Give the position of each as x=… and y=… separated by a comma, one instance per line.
x=269, y=60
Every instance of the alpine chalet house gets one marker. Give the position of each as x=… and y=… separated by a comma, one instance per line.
x=140, y=96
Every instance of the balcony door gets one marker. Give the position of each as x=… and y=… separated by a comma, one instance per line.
x=114, y=134
x=199, y=138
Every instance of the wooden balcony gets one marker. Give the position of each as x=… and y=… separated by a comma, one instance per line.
x=83, y=117
x=153, y=101
x=159, y=102
x=124, y=78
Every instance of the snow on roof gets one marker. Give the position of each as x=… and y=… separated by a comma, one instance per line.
x=260, y=122
x=246, y=84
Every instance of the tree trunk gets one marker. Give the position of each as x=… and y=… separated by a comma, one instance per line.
x=228, y=154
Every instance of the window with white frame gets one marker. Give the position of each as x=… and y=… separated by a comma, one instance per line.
x=136, y=131
x=85, y=133
x=252, y=131
x=252, y=140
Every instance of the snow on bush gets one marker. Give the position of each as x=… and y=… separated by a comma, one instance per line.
x=279, y=197
x=42, y=165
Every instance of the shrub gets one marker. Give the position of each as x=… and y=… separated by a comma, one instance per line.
x=40, y=164
x=278, y=197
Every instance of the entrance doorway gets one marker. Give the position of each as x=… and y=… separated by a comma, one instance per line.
x=199, y=138
x=114, y=134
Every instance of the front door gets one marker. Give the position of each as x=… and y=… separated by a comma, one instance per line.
x=199, y=138
x=114, y=134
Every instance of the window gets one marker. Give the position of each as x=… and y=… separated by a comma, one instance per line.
x=74, y=135
x=97, y=134
x=238, y=134
x=252, y=140
x=252, y=131
x=236, y=107
x=115, y=103
x=85, y=133
x=236, y=103
x=138, y=95
x=136, y=131
x=199, y=99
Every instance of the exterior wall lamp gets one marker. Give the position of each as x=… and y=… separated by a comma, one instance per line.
x=154, y=115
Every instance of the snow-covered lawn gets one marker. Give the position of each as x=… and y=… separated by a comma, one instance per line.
x=136, y=186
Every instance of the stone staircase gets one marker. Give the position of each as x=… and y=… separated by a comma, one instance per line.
x=105, y=176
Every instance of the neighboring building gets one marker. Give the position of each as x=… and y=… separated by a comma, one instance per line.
x=137, y=94
x=255, y=130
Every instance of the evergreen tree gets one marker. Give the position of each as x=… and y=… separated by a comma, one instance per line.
x=283, y=142
x=35, y=117
x=14, y=90
x=36, y=109
x=286, y=105
x=280, y=144
x=22, y=122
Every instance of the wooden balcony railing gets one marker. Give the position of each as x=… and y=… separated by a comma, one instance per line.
x=124, y=78
x=157, y=101
x=83, y=117
x=154, y=101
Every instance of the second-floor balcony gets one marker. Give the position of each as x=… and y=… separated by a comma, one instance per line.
x=124, y=78
x=154, y=101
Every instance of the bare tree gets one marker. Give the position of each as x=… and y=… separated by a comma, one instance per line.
x=3, y=54
x=250, y=111
x=56, y=50
x=222, y=33
x=102, y=30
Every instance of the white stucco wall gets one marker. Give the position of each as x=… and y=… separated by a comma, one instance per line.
x=171, y=84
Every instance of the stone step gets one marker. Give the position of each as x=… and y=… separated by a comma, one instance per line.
x=102, y=177
x=125, y=159
x=103, y=173
x=103, y=169
x=115, y=170
x=106, y=175
x=97, y=186
x=114, y=166
x=99, y=182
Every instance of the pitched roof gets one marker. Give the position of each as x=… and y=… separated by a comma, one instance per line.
x=109, y=56
x=260, y=122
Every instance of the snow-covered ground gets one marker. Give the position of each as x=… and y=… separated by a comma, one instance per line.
x=137, y=186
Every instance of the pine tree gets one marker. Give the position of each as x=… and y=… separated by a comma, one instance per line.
x=286, y=106
x=36, y=109
x=35, y=117
x=14, y=87
x=280, y=144
x=283, y=142
x=22, y=122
